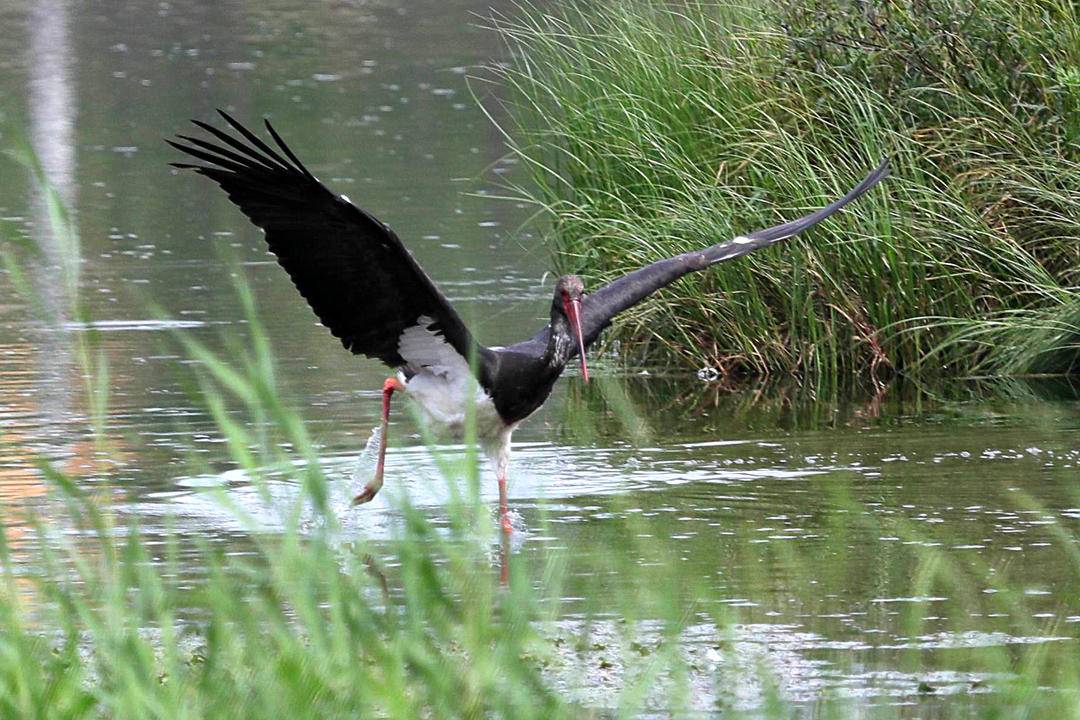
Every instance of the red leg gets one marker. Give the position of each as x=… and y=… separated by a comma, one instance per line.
x=504, y=560
x=504, y=509
x=507, y=529
x=373, y=487
x=501, y=456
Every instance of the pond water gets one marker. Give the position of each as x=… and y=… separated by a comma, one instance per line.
x=816, y=523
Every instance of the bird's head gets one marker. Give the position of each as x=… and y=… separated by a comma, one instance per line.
x=566, y=312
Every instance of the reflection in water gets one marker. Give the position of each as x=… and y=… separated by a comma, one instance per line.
x=52, y=98
x=52, y=135
x=41, y=376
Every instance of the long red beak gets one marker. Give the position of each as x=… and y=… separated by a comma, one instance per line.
x=573, y=312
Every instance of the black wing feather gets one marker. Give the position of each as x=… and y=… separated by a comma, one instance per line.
x=600, y=307
x=355, y=273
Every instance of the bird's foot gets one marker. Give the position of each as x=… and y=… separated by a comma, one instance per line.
x=511, y=525
x=365, y=496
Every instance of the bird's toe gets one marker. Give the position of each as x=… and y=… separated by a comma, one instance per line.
x=365, y=496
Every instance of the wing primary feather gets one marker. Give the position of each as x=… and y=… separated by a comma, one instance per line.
x=790, y=229
x=211, y=147
x=256, y=188
x=285, y=148
x=253, y=138
x=218, y=160
x=746, y=244
x=601, y=306
x=236, y=144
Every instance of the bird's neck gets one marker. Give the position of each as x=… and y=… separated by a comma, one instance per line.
x=561, y=347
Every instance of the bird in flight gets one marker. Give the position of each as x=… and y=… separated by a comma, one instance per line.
x=369, y=291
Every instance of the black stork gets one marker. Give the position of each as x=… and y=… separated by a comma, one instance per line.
x=365, y=286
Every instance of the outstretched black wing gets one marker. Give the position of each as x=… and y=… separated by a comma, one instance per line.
x=600, y=307
x=354, y=271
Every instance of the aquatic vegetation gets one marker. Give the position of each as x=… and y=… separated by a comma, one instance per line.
x=653, y=128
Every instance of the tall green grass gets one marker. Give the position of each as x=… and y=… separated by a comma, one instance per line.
x=652, y=128
x=302, y=628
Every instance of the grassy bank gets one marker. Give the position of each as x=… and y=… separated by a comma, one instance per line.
x=653, y=128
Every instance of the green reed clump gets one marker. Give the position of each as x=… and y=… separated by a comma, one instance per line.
x=653, y=128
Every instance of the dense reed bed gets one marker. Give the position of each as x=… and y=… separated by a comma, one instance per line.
x=651, y=128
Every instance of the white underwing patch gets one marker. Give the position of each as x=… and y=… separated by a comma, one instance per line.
x=442, y=383
x=424, y=348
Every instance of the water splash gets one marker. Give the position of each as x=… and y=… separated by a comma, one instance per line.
x=364, y=468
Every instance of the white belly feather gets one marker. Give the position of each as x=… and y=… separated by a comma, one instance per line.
x=445, y=405
x=444, y=387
